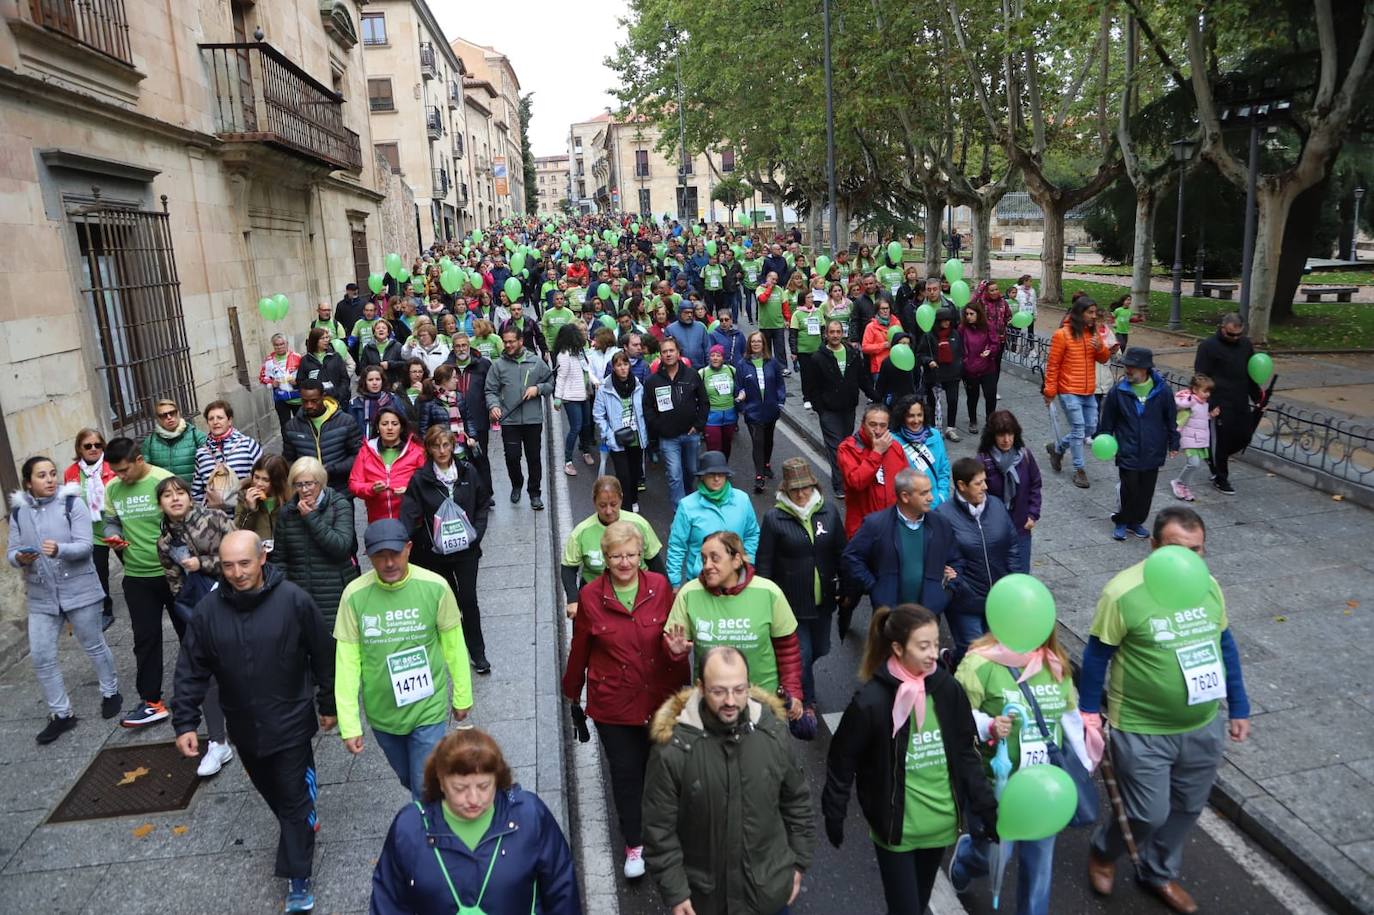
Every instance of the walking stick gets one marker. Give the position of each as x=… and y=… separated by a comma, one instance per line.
x=1118, y=805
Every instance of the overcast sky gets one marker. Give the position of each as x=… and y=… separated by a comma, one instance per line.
x=556, y=48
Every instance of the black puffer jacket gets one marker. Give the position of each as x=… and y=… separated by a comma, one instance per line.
x=330, y=370
x=390, y=353
x=425, y=494
x=272, y=657
x=474, y=374
x=335, y=445
x=982, y=548
x=316, y=550
x=789, y=557
x=864, y=749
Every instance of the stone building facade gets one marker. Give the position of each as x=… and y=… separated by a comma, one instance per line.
x=551, y=180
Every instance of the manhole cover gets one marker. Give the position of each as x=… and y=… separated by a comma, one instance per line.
x=131, y=780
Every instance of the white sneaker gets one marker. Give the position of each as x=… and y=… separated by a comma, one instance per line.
x=215, y=757
x=569, y=469
x=806, y=404
x=952, y=434
x=634, y=861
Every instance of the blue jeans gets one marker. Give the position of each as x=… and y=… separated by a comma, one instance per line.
x=45, y=635
x=578, y=414
x=1020, y=556
x=965, y=628
x=679, y=463
x=1034, y=870
x=407, y=753
x=813, y=636
x=1081, y=410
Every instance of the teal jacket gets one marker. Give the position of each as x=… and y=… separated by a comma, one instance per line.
x=696, y=519
x=175, y=455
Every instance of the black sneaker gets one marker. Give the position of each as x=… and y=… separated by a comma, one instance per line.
x=768, y=471
x=514, y=496
x=1224, y=486
x=145, y=713
x=758, y=483
x=111, y=705
x=481, y=664
x=1056, y=458
x=536, y=503
x=55, y=728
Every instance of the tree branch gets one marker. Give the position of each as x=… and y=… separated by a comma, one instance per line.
x=978, y=88
x=1326, y=42
x=1213, y=146
x=1158, y=46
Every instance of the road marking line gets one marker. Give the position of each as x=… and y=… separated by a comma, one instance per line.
x=1292, y=895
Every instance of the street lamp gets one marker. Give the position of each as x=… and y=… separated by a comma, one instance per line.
x=674, y=38
x=1183, y=152
x=1355, y=234
x=829, y=132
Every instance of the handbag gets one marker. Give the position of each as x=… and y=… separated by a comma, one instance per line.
x=1086, y=811
x=627, y=436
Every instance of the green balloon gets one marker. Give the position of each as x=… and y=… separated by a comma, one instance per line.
x=534, y=255
x=451, y=280
x=894, y=253
x=660, y=250
x=1020, y=612
x=512, y=289
x=607, y=321
x=1037, y=802
x=603, y=292
x=634, y=227
x=510, y=243
x=476, y=236
x=696, y=228
x=282, y=311
x=475, y=280
x=1022, y=319
x=1104, y=446
x=739, y=251
x=925, y=316
x=265, y=306
x=711, y=248
x=954, y=270
x=517, y=262
x=745, y=220
x=903, y=357
x=1177, y=578
x=893, y=331
x=1260, y=367
x=375, y=282
x=393, y=264
x=281, y=301
x=823, y=265
x=565, y=247
x=959, y=292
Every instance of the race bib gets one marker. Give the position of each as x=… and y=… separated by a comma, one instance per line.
x=594, y=560
x=713, y=282
x=813, y=327
x=721, y=384
x=1202, y=673
x=751, y=275
x=411, y=680
x=453, y=536
x=663, y=399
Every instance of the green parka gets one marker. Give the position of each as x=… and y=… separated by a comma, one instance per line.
x=316, y=550
x=174, y=455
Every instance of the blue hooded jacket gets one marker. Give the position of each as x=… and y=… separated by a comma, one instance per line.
x=761, y=406
x=1145, y=432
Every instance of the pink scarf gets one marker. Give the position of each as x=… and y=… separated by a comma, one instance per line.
x=1031, y=663
x=911, y=696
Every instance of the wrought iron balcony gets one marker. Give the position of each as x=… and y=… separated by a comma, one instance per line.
x=457, y=146
x=455, y=95
x=440, y=183
x=261, y=96
x=434, y=123
x=462, y=193
x=429, y=68
x=98, y=24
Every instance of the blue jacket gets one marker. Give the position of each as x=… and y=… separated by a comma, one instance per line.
x=981, y=554
x=607, y=412
x=872, y=560
x=1145, y=432
x=692, y=338
x=499, y=275
x=534, y=865
x=758, y=408
x=697, y=518
x=732, y=342
x=936, y=468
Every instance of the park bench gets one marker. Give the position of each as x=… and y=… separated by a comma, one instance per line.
x=1223, y=290
x=1342, y=293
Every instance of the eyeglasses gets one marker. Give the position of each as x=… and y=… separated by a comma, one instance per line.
x=305, y=484
x=167, y=415
x=624, y=557
x=92, y=446
x=721, y=692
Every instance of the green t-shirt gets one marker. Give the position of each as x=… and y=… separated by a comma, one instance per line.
x=1123, y=320
x=554, y=319
x=913, y=546
x=749, y=621
x=929, y=817
x=362, y=330
x=770, y=312
x=469, y=831
x=389, y=455
x=714, y=276
x=627, y=595
x=890, y=278
x=489, y=346
x=584, y=544
x=1166, y=676
x=758, y=376
x=720, y=386
x=753, y=270
x=1142, y=390
x=809, y=323
x=991, y=687
x=396, y=628
x=841, y=357
x=140, y=516
x=839, y=313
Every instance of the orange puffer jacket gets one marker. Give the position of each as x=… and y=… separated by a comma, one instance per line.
x=1071, y=366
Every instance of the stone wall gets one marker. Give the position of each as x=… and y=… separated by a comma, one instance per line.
x=397, y=214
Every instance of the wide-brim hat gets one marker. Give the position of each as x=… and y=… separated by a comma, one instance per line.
x=797, y=474
x=1138, y=357
x=713, y=462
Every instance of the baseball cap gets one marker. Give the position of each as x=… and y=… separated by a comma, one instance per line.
x=385, y=534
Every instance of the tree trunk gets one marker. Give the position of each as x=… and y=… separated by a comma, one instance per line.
x=780, y=211
x=935, y=207
x=1273, y=205
x=980, y=217
x=1143, y=251
x=1302, y=222
x=815, y=219
x=842, y=217
x=1051, y=250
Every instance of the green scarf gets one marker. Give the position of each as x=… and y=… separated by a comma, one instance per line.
x=718, y=496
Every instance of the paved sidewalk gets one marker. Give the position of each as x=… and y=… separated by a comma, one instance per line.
x=1298, y=573
x=218, y=854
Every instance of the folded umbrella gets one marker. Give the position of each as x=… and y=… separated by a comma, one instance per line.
x=1118, y=805
x=1001, y=771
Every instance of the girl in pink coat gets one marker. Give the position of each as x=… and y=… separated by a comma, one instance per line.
x=1194, y=434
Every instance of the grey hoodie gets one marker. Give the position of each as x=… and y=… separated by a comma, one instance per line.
x=67, y=581
x=506, y=383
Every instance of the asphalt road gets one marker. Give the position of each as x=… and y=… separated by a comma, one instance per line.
x=1223, y=870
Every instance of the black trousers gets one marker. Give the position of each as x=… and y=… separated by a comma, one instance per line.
x=461, y=576
x=908, y=878
x=761, y=443
x=835, y=425
x=808, y=376
x=1137, y=491
x=148, y=599
x=629, y=470
x=530, y=439
x=284, y=411
x=987, y=385
x=483, y=461
x=1231, y=433
x=100, y=555
x=627, y=756
x=286, y=781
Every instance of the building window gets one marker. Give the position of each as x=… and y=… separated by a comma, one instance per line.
x=577, y=144
x=727, y=161
x=133, y=296
x=392, y=152
x=641, y=163
x=101, y=26
x=379, y=97
x=686, y=169
x=374, y=28
x=645, y=207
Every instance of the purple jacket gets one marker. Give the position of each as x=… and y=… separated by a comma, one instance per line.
x=975, y=341
x=1027, y=501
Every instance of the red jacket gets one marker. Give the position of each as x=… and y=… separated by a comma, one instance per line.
x=868, y=477
x=369, y=468
x=622, y=656
x=73, y=474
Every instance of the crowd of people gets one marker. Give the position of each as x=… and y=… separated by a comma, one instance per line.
x=695, y=646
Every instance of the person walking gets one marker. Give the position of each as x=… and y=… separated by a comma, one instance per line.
x=619, y=415
x=982, y=348
x=714, y=506
x=583, y=561
x=1195, y=413
x=224, y=460
x=1169, y=672
x=1026, y=301
x=841, y=376
x=923, y=447
x=321, y=430
x=1225, y=358
x=173, y=443
x=50, y=541
x=943, y=352
x=477, y=842
x=870, y=464
x=399, y=639
x=1014, y=477
x=574, y=389
x=470, y=370
x=371, y=397
x=983, y=539
x=384, y=467
x=1140, y=412
x=712, y=848
x=315, y=541
x=515, y=388
x=1070, y=378
x=263, y=641
x=763, y=393
x=801, y=545
x=907, y=740
x=91, y=472
x=324, y=364
x=383, y=350
x=278, y=372
x=619, y=653
x=262, y=496
x=722, y=394
x=445, y=507
x=676, y=406
x=691, y=335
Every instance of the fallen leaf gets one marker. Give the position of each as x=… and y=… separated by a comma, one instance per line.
x=1280, y=619
x=1271, y=475
x=1338, y=498
x=179, y=830
x=133, y=775
x=1350, y=613
x=141, y=831
x=1352, y=604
